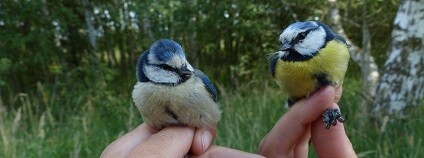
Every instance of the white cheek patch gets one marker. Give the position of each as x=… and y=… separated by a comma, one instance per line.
x=158, y=75
x=312, y=43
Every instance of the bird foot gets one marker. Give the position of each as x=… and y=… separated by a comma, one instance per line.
x=331, y=116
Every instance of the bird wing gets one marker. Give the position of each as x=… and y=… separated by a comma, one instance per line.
x=207, y=83
x=340, y=38
x=141, y=77
x=272, y=62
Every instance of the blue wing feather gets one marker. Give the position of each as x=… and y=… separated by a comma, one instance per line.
x=141, y=77
x=272, y=62
x=207, y=83
x=340, y=38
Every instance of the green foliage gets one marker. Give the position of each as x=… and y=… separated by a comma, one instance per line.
x=81, y=121
x=5, y=65
x=65, y=121
x=379, y=18
x=220, y=33
x=59, y=97
x=248, y=114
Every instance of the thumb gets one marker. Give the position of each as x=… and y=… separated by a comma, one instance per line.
x=171, y=141
x=203, y=138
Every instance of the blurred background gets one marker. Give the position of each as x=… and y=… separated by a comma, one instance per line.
x=67, y=69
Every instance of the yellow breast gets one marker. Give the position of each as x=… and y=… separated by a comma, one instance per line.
x=299, y=79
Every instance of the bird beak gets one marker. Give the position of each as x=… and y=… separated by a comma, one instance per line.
x=285, y=46
x=184, y=72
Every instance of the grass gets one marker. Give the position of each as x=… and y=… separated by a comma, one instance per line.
x=80, y=120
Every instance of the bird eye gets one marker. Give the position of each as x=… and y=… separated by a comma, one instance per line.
x=301, y=35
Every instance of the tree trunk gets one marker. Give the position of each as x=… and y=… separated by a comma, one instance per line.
x=402, y=82
x=369, y=69
x=91, y=32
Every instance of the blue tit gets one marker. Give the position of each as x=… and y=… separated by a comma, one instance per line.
x=169, y=91
x=311, y=56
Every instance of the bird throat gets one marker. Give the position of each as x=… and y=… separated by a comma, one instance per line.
x=294, y=56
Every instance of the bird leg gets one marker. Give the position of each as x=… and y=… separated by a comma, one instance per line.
x=331, y=116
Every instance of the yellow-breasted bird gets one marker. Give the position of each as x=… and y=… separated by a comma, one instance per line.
x=311, y=56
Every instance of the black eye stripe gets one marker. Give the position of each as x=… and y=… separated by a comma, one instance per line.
x=301, y=36
x=164, y=66
x=167, y=67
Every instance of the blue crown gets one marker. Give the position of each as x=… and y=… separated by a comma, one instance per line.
x=165, y=49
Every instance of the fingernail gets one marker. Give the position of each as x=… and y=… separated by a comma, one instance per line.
x=327, y=90
x=206, y=140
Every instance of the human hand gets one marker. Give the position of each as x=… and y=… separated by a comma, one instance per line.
x=173, y=141
x=288, y=138
x=290, y=135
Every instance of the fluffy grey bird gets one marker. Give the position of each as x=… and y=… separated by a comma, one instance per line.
x=170, y=91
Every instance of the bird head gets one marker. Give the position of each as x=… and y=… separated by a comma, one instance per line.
x=300, y=41
x=165, y=63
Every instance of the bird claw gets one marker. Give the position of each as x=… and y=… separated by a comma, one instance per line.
x=331, y=116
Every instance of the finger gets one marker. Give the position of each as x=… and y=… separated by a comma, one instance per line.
x=123, y=145
x=302, y=147
x=338, y=95
x=222, y=152
x=289, y=130
x=171, y=141
x=331, y=142
x=203, y=138
x=311, y=108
